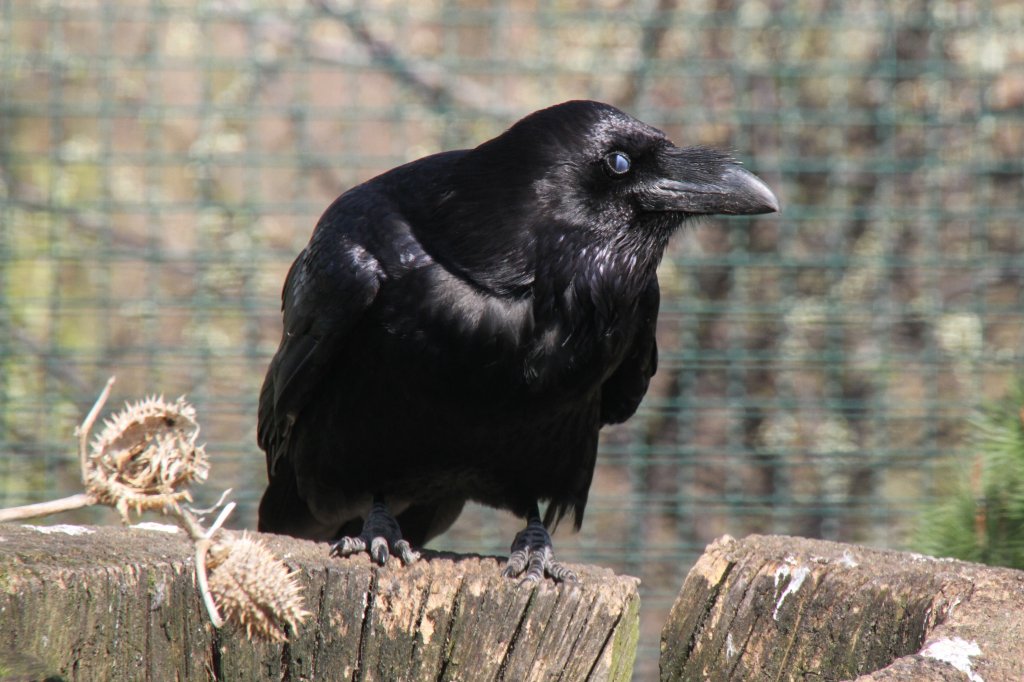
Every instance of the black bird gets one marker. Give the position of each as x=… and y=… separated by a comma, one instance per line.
x=462, y=326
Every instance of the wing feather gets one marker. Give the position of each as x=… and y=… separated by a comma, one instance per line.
x=328, y=289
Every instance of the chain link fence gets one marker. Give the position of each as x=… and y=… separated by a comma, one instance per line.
x=161, y=164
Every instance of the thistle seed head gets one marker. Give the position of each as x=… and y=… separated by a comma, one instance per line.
x=146, y=455
x=254, y=589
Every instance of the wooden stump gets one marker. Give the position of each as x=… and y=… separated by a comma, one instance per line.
x=87, y=603
x=781, y=608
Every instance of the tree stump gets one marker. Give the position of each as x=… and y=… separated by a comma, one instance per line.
x=781, y=608
x=83, y=603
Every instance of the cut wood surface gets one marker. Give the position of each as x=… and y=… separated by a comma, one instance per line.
x=85, y=603
x=782, y=608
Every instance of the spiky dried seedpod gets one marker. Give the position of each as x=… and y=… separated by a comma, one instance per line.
x=254, y=589
x=146, y=455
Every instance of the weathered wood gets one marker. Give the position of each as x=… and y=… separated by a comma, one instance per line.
x=782, y=608
x=117, y=603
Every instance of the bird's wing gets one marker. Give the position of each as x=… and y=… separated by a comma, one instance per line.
x=329, y=287
x=622, y=392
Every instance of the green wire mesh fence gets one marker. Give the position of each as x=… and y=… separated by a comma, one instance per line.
x=161, y=163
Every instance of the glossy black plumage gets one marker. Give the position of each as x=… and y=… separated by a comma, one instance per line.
x=460, y=328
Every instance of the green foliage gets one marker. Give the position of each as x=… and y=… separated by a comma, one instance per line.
x=983, y=518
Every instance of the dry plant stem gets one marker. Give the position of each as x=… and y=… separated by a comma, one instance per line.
x=86, y=427
x=216, y=505
x=64, y=504
x=204, y=540
x=202, y=547
x=187, y=521
x=72, y=502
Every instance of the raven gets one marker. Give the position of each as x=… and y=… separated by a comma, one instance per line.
x=462, y=326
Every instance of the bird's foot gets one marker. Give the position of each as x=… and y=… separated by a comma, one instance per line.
x=532, y=553
x=381, y=538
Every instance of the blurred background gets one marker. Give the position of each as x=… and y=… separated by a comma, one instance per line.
x=162, y=163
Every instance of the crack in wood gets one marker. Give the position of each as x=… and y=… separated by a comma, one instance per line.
x=452, y=618
x=216, y=671
x=515, y=634
x=322, y=622
x=802, y=604
x=583, y=628
x=710, y=602
x=723, y=586
x=604, y=644
x=854, y=639
x=418, y=626
x=286, y=662
x=364, y=630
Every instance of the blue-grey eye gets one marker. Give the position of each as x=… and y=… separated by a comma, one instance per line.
x=617, y=163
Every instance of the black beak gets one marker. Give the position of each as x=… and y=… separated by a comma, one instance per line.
x=724, y=188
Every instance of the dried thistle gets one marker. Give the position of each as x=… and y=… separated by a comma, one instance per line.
x=254, y=589
x=143, y=459
x=146, y=455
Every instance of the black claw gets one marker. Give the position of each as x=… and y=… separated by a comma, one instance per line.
x=405, y=552
x=381, y=538
x=538, y=562
x=532, y=553
x=348, y=546
x=562, y=574
x=379, y=550
x=516, y=563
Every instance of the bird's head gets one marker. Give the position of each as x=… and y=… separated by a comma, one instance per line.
x=598, y=167
x=579, y=178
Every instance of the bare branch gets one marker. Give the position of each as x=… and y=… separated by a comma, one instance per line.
x=652, y=38
x=439, y=89
x=29, y=511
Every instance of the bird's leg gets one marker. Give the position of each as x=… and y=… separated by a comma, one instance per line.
x=381, y=538
x=532, y=552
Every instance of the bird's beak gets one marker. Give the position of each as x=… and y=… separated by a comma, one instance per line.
x=732, y=190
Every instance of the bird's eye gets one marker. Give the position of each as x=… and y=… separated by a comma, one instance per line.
x=617, y=163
